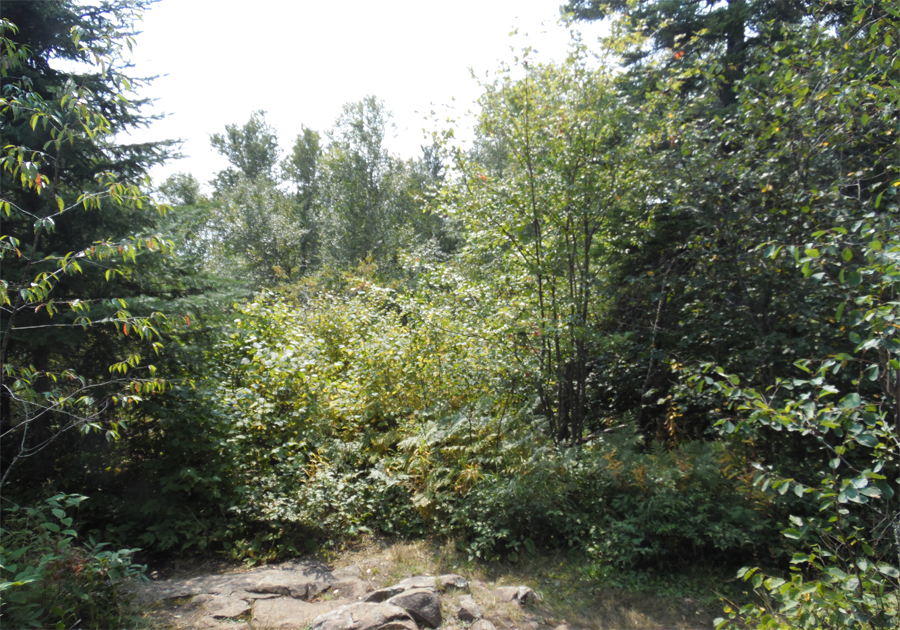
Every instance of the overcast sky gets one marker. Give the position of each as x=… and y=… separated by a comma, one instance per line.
x=301, y=60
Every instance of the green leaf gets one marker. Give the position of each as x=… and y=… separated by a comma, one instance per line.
x=850, y=494
x=888, y=570
x=840, y=311
x=867, y=439
x=834, y=571
x=850, y=401
x=886, y=491
x=847, y=254
x=774, y=582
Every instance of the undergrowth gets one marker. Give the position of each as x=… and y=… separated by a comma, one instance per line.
x=50, y=579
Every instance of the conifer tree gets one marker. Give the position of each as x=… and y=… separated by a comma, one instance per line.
x=76, y=227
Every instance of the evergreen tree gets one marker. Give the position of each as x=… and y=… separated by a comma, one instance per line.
x=75, y=227
x=302, y=170
x=676, y=33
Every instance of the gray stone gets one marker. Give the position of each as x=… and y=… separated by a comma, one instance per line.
x=482, y=624
x=217, y=606
x=351, y=583
x=417, y=581
x=452, y=582
x=290, y=614
x=208, y=623
x=365, y=616
x=383, y=594
x=468, y=609
x=196, y=603
x=210, y=611
x=247, y=596
x=301, y=580
x=226, y=607
x=521, y=595
x=423, y=604
x=352, y=590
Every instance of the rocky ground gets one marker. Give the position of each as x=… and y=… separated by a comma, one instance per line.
x=368, y=594
x=310, y=595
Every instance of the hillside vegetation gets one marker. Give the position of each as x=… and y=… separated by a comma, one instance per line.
x=649, y=316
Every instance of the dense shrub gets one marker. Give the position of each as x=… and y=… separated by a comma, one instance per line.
x=322, y=416
x=627, y=507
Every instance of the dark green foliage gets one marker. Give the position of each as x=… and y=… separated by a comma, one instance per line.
x=50, y=579
x=721, y=35
x=628, y=509
x=302, y=170
x=78, y=235
x=727, y=186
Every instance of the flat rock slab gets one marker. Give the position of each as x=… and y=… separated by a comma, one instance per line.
x=365, y=616
x=208, y=623
x=247, y=596
x=284, y=613
x=220, y=606
x=211, y=612
x=303, y=580
x=418, y=581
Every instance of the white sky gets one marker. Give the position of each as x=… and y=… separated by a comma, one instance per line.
x=300, y=60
